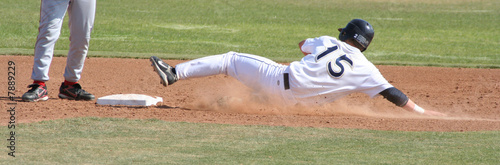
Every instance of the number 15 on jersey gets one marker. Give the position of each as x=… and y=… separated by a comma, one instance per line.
x=335, y=66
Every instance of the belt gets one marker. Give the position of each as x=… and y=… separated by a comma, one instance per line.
x=286, y=82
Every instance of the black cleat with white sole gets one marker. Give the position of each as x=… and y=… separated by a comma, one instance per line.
x=165, y=71
x=36, y=93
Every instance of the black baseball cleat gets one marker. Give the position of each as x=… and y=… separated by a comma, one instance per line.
x=165, y=71
x=74, y=92
x=36, y=93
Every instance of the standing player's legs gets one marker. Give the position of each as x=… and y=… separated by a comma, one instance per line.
x=258, y=73
x=81, y=20
x=51, y=19
x=50, y=23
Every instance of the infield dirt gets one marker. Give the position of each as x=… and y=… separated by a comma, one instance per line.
x=470, y=98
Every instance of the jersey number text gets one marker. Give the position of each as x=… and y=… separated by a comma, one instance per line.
x=338, y=64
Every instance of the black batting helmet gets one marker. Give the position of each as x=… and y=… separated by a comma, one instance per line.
x=360, y=31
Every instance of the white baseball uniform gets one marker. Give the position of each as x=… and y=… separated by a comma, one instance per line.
x=331, y=70
x=81, y=20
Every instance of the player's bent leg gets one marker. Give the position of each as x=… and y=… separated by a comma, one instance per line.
x=231, y=63
x=259, y=73
x=247, y=68
x=202, y=67
x=256, y=72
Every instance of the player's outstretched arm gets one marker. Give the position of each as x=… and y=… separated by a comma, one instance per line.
x=411, y=106
x=397, y=97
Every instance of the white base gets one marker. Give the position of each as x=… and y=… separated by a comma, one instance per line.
x=129, y=99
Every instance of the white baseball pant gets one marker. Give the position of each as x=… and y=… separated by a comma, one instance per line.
x=261, y=74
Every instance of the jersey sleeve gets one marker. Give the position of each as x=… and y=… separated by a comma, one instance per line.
x=314, y=45
x=376, y=84
x=308, y=46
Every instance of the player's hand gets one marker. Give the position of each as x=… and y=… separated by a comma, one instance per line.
x=434, y=113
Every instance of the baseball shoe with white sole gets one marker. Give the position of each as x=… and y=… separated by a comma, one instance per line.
x=165, y=71
x=36, y=93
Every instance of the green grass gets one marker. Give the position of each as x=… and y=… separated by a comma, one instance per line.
x=437, y=33
x=125, y=141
